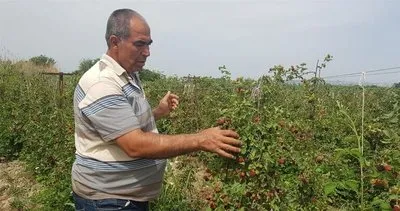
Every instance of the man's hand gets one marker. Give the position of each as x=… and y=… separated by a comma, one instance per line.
x=167, y=104
x=221, y=142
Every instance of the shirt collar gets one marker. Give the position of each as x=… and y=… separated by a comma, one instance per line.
x=109, y=61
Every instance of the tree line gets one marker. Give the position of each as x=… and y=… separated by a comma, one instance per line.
x=85, y=64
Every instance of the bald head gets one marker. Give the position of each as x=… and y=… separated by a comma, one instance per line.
x=119, y=23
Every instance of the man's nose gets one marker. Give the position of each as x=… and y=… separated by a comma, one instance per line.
x=146, y=51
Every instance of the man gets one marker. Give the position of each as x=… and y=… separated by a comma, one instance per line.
x=120, y=157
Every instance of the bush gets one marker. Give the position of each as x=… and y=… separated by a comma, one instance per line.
x=301, y=143
x=43, y=60
x=85, y=65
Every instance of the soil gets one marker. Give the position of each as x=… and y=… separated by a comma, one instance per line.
x=16, y=186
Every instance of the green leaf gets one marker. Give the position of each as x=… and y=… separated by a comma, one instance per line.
x=353, y=152
x=350, y=139
x=389, y=115
x=351, y=185
x=220, y=208
x=394, y=120
x=387, y=141
x=330, y=188
x=68, y=204
x=387, y=133
x=377, y=201
x=385, y=206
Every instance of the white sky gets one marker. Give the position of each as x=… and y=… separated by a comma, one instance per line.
x=195, y=37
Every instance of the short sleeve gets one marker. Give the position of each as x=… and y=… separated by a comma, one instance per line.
x=108, y=110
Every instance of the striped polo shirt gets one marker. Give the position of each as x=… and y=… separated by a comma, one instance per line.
x=108, y=103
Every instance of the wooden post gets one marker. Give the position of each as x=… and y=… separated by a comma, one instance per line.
x=61, y=83
x=316, y=69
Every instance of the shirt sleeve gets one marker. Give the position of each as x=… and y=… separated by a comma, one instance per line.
x=108, y=110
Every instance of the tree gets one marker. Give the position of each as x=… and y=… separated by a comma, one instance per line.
x=43, y=60
x=149, y=75
x=85, y=65
x=145, y=74
x=396, y=85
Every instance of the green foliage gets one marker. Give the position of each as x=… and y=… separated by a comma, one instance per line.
x=37, y=127
x=149, y=75
x=43, y=60
x=301, y=142
x=85, y=65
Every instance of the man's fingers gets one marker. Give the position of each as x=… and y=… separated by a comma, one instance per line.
x=173, y=96
x=166, y=97
x=174, y=101
x=230, y=133
x=224, y=154
x=174, y=104
x=230, y=148
x=231, y=141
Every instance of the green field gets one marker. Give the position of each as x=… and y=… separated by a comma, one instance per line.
x=306, y=146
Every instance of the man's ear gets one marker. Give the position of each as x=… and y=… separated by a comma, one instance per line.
x=114, y=41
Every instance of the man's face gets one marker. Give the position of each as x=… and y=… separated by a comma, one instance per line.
x=133, y=51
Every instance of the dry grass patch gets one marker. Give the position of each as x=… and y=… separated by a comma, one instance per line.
x=16, y=187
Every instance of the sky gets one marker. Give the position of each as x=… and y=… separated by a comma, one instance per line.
x=196, y=37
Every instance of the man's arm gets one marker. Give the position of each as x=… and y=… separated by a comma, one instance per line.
x=152, y=145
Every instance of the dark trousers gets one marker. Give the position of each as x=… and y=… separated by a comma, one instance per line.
x=82, y=204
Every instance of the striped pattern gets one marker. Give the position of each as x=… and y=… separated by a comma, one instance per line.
x=117, y=166
x=129, y=89
x=79, y=93
x=109, y=103
x=106, y=102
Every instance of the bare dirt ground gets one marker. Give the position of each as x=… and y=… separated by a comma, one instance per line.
x=16, y=186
